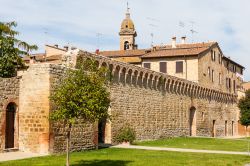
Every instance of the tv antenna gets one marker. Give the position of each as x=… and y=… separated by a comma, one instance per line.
x=192, y=30
x=153, y=25
x=182, y=28
x=153, y=19
x=46, y=34
x=98, y=35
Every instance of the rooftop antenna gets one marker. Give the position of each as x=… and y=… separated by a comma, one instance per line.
x=152, y=33
x=45, y=31
x=182, y=26
x=153, y=19
x=192, y=30
x=98, y=35
x=152, y=39
x=153, y=26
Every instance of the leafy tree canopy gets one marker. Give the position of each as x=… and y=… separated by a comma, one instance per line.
x=11, y=50
x=82, y=94
x=244, y=105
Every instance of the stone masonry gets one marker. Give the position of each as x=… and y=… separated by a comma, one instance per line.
x=155, y=105
x=9, y=92
x=37, y=133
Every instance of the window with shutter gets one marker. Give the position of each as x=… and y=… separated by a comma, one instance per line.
x=179, y=67
x=229, y=84
x=147, y=65
x=208, y=72
x=234, y=86
x=220, y=79
x=163, y=67
x=212, y=75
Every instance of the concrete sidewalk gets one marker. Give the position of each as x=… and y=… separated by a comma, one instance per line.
x=178, y=149
x=18, y=155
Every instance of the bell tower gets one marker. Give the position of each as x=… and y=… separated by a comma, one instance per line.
x=127, y=33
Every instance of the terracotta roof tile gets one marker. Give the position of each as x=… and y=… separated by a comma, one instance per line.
x=123, y=53
x=129, y=59
x=246, y=85
x=41, y=57
x=180, y=50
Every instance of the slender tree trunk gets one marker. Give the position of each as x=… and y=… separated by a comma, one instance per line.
x=68, y=145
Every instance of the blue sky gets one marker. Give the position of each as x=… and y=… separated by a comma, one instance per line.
x=77, y=22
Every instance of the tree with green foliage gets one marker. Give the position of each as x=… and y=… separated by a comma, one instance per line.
x=244, y=105
x=82, y=94
x=11, y=50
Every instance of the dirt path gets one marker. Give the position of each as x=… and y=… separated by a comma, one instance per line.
x=179, y=149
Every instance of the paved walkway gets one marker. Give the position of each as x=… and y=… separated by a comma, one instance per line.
x=178, y=149
x=18, y=155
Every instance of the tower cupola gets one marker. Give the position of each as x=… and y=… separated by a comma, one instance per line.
x=127, y=33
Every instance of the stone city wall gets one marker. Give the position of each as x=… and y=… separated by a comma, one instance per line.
x=37, y=133
x=155, y=113
x=83, y=135
x=9, y=92
x=156, y=105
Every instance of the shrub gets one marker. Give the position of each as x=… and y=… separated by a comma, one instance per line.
x=125, y=134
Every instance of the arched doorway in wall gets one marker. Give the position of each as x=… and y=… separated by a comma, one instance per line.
x=104, y=131
x=192, y=121
x=10, y=125
x=232, y=128
x=101, y=131
x=213, y=129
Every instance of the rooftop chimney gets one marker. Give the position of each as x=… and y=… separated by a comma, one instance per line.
x=66, y=48
x=183, y=39
x=97, y=51
x=173, y=42
x=73, y=48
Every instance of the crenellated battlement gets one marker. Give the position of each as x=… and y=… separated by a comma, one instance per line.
x=157, y=79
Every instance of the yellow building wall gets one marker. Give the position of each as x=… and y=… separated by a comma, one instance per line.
x=53, y=51
x=190, y=64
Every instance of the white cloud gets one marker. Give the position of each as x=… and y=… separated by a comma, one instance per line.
x=78, y=22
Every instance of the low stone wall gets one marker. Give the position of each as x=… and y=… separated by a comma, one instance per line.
x=9, y=92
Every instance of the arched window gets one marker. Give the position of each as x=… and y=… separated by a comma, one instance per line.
x=126, y=45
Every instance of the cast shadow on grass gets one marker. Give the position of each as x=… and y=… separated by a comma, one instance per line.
x=102, y=163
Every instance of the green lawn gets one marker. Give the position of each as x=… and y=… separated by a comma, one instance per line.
x=200, y=143
x=129, y=157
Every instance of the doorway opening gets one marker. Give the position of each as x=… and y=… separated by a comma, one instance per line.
x=213, y=129
x=226, y=128
x=104, y=132
x=232, y=128
x=101, y=131
x=10, y=126
x=192, y=121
